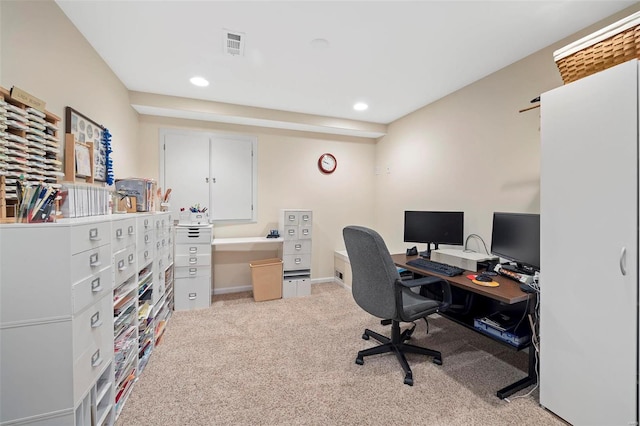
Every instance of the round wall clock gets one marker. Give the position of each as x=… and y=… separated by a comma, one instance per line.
x=327, y=163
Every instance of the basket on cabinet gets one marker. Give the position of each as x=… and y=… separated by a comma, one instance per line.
x=612, y=45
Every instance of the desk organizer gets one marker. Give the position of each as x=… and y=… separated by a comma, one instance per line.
x=612, y=45
x=193, y=219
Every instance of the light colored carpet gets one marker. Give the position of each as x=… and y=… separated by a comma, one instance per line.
x=291, y=361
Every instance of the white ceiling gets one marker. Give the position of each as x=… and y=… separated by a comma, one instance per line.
x=396, y=56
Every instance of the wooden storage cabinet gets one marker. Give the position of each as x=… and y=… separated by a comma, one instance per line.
x=296, y=227
x=55, y=341
x=192, y=285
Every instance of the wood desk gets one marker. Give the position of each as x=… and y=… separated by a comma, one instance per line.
x=508, y=293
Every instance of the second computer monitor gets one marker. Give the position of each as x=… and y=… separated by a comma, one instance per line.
x=516, y=237
x=435, y=227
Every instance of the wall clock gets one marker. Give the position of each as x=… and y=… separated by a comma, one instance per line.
x=327, y=163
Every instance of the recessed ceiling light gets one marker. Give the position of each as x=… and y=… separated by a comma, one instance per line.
x=199, y=81
x=360, y=106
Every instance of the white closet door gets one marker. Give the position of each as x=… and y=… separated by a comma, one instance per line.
x=232, y=178
x=589, y=229
x=186, y=170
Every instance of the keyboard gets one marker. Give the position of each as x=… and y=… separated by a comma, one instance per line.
x=437, y=267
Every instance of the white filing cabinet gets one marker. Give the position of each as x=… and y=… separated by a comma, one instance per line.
x=295, y=226
x=192, y=272
x=56, y=335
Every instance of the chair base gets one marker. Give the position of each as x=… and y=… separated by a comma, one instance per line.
x=396, y=345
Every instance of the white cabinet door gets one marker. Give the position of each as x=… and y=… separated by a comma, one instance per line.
x=186, y=169
x=589, y=227
x=232, y=178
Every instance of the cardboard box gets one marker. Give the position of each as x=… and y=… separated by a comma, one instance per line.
x=266, y=279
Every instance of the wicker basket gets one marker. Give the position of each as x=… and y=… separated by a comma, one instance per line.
x=613, y=45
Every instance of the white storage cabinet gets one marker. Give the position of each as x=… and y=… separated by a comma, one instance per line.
x=192, y=272
x=589, y=298
x=295, y=226
x=56, y=335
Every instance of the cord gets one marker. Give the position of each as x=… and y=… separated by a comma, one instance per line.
x=466, y=250
x=426, y=321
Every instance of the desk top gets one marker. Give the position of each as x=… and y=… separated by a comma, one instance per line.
x=508, y=291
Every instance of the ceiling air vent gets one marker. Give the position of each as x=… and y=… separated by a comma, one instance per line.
x=233, y=43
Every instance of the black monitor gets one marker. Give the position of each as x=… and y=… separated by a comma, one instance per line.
x=516, y=237
x=433, y=227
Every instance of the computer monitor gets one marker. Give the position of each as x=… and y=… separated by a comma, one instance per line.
x=516, y=237
x=433, y=227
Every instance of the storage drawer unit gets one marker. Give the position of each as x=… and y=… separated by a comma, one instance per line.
x=192, y=270
x=296, y=227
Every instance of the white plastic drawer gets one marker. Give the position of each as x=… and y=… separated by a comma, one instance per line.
x=89, y=366
x=145, y=256
x=124, y=265
x=145, y=223
x=193, y=235
x=306, y=218
x=304, y=232
x=87, y=263
x=297, y=246
x=192, y=271
x=291, y=232
x=93, y=327
x=193, y=260
x=123, y=233
x=189, y=249
x=291, y=218
x=296, y=261
x=90, y=290
x=145, y=239
x=85, y=237
x=192, y=293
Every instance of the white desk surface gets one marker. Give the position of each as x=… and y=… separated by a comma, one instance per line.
x=245, y=240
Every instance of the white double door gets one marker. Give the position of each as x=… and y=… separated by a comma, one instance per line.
x=589, y=249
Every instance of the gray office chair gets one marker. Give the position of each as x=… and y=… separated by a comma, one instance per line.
x=378, y=289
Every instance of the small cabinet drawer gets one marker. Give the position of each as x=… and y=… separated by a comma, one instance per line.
x=296, y=261
x=124, y=264
x=123, y=233
x=193, y=259
x=192, y=249
x=304, y=232
x=193, y=235
x=192, y=293
x=87, y=263
x=299, y=246
x=291, y=232
x=91, y=326
x=192, y=271
x=145, y=239
x=145, y=256
x=90, y=290
x=86, y=237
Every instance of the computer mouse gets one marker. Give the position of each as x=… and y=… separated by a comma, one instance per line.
x=484, y=278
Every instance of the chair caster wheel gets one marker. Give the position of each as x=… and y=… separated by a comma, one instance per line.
x=359, y=361
x=437, y=361
x=365, y=336
x=408, y=381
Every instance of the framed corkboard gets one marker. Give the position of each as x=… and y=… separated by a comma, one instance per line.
x=87, y=131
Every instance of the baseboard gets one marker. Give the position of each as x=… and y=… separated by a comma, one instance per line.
x=239, y=289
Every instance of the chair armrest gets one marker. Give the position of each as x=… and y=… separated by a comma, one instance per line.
x=446, y=290
x=418, y=282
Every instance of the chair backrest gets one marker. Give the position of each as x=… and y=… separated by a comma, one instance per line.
x=373, y=271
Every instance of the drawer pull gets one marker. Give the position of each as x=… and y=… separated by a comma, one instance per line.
x=193, y=271
x=146, y=239
x=292, y=231
x=305, y=217
x=298, y=260
x=193, y=249
x=130, y=230
x=305, y=232
x=121, y=265
x=95, y=285
x=95, y=320
x=298, y=246
x=131, y=258
x=146, y=223
x=193, y=260
x=119, y=233
x=192, y=296
x=93, y=234
x=94, y=260
x=146, y=254
x=292, y=218
x=96, y=360
x=158, y=245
